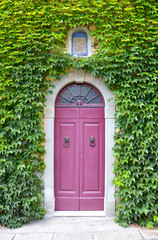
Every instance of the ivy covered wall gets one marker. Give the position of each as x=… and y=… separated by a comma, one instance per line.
x=32, y=41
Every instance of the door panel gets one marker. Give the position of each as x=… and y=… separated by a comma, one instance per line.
x=67, y=156
x=92, y=164
x=66, y=164
x=91, y=204
x=92, y=113
x=67, y=112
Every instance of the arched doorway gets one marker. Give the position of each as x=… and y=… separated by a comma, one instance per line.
x=79, y=76
x=79, y=149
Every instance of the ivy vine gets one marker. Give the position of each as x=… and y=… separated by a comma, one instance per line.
x=32, y=54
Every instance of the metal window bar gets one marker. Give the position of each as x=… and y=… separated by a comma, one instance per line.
x=94, y=98
x=71, y=92
x=87, y=92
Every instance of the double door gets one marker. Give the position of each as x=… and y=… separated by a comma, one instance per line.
x=79, y=159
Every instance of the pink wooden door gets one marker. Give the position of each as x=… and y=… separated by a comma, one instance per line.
x=79, y=149
x=79, y=159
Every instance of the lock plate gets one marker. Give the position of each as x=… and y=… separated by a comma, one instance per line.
x=92, y=141
x=66, y=142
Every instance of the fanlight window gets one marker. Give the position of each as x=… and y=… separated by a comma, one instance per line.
x=79, y=95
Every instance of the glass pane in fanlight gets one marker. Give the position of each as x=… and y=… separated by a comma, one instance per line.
x=84, y=89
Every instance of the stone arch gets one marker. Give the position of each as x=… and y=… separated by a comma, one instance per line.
x=79, y=76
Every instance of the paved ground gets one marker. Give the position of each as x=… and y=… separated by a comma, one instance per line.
x=77, y=228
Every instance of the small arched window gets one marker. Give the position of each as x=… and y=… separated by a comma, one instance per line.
x=79, y=44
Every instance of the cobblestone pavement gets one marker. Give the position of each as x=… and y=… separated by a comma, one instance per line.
x=77, y=228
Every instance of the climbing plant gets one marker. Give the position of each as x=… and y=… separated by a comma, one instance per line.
x=32, y=54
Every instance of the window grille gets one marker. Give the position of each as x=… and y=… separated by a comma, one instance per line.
x=79, y=95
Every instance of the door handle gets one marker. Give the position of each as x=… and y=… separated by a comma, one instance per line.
x=92, y=141
x=66, y=142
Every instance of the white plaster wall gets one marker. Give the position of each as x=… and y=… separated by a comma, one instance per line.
x=79, y=76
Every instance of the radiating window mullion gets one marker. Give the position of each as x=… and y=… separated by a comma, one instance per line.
x=87, y=93
x=71, y=92
x=70, y=101
x=94, y=98
x=64, y=97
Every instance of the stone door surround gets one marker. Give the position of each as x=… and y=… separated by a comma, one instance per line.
x=79, y=76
